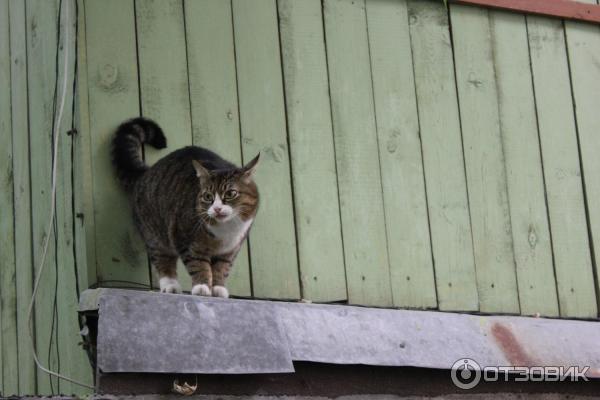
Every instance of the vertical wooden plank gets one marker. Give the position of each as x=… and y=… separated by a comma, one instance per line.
x=65, y=272
x=411, y=266
x=321, y=254
x=443, y=157
x=85, y=255
x=583, y=45
x=164, y=80
x=73, y=360
x=41, y=53
x=22, y=190
x=9, y=381
x=357, y=158
x=85, y=232
x=523, y=163
x=562, y=172
x=484, y=160
x=263, y=126
x=113, y=97
x=213, y=98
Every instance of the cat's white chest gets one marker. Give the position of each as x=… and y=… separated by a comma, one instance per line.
x=230, y=233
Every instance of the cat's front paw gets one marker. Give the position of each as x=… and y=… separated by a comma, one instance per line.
x=220, y=291
x=169, y=285
x=201, y=290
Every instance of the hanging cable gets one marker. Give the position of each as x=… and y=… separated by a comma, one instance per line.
x=55, y=139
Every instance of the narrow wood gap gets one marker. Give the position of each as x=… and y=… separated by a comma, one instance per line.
x=490, y=17
x=537, y=122
x=582, y=171
x=289, y=149
x=141, y=112
x=462, y=142
x=337, y=188
x=237, y=93
x=431, y=254
x=385, y=222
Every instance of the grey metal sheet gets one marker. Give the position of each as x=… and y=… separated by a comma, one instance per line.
x=358, y=335
x=151, y=332
x=248, y=336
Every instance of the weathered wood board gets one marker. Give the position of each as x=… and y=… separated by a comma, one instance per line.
x=562, y=173
x=357, y=155
x=22, y=189
x=523, y=163
x=263, y=128
x=113, y=94
x=583, y=47
x=484, y=160
x=406, y=219
x=320, y=251
x=443, y=157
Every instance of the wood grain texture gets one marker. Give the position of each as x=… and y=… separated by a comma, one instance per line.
x=83, y=187
x=484, y=160
x=263, y=126
x=357, y=158
x=162, y=64
x=9, y=381
x=411, y=266
x=41, y=53
x=213, y=97
x=523, y=163
x=443, y=157
x=113, y=97
x=73, y=361
x=22, y=189
x=583, y=46
x=560, y=156
x=321, y=254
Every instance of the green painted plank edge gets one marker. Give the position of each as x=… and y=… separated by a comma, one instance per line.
x=523, y=163
x=357, y=154
x=321, y=254
x=22, y=192
x=113, y=97
x=583, y=46
x=411, y=264
x=9, y=381
x=445, y=180
x=263, y=128
x=484, y=160
x=558, y=138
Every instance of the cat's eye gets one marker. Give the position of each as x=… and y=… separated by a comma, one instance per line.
x=230, y=194
x=208, y=197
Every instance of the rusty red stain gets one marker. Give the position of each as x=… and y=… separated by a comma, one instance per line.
x=510, y=346
x=568, y=9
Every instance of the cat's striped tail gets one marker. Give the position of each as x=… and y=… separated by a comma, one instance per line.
x=127, y=148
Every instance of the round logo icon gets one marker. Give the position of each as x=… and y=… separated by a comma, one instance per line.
x=465, y=373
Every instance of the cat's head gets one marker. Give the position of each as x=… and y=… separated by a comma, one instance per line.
x=227, y=194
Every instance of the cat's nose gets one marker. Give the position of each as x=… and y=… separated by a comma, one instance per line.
x=217, y=209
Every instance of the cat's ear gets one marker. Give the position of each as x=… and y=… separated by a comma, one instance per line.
x=201, y=172
x=249, y=169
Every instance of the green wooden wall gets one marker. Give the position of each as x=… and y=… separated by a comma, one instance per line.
x=413, y=156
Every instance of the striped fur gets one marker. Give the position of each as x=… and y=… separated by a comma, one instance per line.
x=192, y=204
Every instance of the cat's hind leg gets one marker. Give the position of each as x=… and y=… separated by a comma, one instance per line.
x=166, y=267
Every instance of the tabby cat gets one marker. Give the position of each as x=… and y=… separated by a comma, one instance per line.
x=192, y=204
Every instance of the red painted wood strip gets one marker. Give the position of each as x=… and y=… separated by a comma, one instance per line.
x=568, y=9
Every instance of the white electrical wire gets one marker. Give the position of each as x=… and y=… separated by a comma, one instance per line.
x=55, y=136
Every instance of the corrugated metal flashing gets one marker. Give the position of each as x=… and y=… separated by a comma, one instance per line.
x=152, y=332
